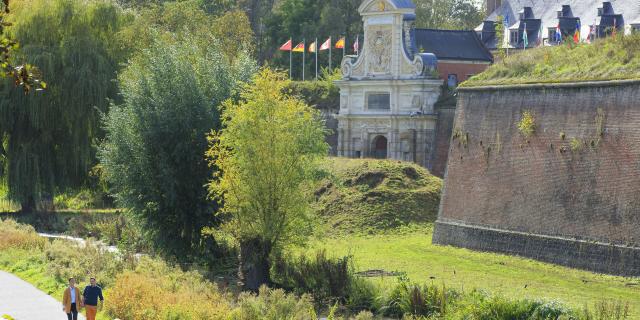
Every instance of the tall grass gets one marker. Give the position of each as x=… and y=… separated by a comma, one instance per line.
x=605, y=59
x=19, y=236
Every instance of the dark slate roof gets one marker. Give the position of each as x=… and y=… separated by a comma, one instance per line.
x=586, y=10
x=452, y=45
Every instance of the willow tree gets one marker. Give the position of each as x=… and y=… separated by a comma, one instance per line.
x=49, y=138
x=154, y=150
x=267, y=151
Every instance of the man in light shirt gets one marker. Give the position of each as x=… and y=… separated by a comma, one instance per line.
x=72, y=300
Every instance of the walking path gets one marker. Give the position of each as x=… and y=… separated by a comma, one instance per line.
x=23, y=301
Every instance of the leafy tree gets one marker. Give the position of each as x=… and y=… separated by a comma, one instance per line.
x=23, y=75
x=153, y=155
x=266, y=152
x=175, y=20
x=48, y=139
x=448, y=14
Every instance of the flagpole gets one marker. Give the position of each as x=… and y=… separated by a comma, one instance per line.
x=304, y=46
x=291, y=60
x=344, y=46
x=316, y=50
x=330, y=45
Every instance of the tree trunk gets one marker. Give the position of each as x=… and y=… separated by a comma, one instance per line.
x=254, y=258
x=28, y=205
x=46, y=203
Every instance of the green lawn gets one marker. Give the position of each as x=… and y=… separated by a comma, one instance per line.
x=412, y=252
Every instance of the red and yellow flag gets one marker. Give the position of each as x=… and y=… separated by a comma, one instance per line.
x=312, y=47
x=299, y=47
x=287, y=46
x=340, y=43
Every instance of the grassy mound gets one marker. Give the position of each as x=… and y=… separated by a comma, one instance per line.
x=369, y=196
x=607, y=59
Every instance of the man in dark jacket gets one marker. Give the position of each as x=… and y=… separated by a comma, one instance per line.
x=91, y=295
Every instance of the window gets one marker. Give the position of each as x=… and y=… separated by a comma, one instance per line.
x=378, y=101
x=551, y=35
x=514, y=37
x=452, y=81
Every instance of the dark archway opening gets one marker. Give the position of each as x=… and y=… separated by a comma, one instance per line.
x=380, y=147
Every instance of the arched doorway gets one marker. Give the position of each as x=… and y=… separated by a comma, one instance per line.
x=379, y=147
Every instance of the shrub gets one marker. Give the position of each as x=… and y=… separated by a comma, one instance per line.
x=527, y=124
x=327, y=280
x=411, y=299
x=19, y=236
x=67, y=259
x=156, y=291
x=607, y=310
x=273, y=304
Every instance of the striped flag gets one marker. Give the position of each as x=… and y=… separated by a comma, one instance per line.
x=326, y=45
x=525, y=37
x=340, y=43
x=576, y=35
x=287, y=46
x=299, y=47
x=312, y=47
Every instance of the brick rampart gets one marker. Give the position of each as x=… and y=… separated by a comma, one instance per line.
x=568, y=194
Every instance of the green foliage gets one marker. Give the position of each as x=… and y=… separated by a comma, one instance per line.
x=364, y=196
x=327, y=280
x=156, y=140
x=272, y=304
x=267, y=151
x=49, y=138
x=499, y=24
x=527, y=124
x=448, y=14
x=323, y=94
x=67, y=259
x=605, y=59
x=576, y=144
x=411, y=299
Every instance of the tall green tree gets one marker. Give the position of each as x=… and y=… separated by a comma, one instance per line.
x=448, y=14
x=48, y=139
x=268, y=149
x=154, y=151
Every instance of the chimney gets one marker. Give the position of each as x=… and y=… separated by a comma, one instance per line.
x=492, y=5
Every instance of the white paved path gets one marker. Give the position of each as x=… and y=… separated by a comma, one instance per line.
x=23, y=301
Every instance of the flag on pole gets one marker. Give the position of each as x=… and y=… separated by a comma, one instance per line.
x=615, y=26
x=590, y=35
x=356, y=45
x=286, y=46
x=312, y=47
x=299, y=47
x=558, y=34
x=576, y=35
x=326, y=45
x=340, y=43
x=525, y=37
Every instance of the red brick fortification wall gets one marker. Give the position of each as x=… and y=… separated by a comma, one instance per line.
x=568, y=194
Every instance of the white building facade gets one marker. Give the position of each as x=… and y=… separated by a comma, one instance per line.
x=388, y=92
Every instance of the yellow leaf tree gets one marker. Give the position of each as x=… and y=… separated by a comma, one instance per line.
x=266, y=153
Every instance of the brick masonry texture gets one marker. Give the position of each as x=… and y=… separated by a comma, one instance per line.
x=568, y=194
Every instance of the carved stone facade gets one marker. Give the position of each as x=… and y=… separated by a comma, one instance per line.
x=388, y=92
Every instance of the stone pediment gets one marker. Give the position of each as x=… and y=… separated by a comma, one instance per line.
x=379, y=6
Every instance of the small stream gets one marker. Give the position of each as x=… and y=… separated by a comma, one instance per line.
x=80, y=241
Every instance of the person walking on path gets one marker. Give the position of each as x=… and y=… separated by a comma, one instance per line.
x=91, y=295
x=71, y=300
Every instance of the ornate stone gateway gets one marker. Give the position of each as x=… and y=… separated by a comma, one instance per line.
x=387, y=94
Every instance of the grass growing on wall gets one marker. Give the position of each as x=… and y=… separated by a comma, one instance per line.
x=607, y=59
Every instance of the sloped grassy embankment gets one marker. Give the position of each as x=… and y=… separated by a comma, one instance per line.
x=606, y=59
x=368, y=196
